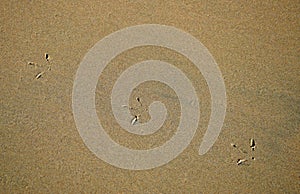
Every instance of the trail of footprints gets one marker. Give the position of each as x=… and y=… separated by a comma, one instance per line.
x=242, y=161
x=136, y=118
x=239, y=161
x=40, y=74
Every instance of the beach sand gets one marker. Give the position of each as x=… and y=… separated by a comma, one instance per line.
x=255, y=43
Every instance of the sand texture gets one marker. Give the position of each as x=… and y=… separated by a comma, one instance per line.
x=255, y=43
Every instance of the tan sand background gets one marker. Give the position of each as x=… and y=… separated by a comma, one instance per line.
x=255, y=43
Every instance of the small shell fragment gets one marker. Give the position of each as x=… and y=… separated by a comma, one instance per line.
x=252, y=144
x=240, y=161
x=39, y=75
x=134, y=120
x=233, y=145
x=47, y=56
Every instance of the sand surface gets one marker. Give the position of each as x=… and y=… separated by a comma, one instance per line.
x=255, y=43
